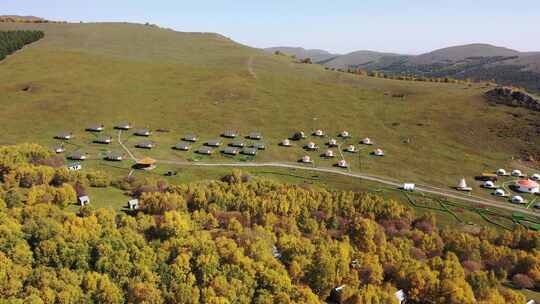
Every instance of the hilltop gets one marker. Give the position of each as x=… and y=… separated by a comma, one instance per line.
x=24, y=19
x=475, y=61
x=204, y=83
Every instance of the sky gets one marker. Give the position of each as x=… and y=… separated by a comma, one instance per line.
x=338, y=26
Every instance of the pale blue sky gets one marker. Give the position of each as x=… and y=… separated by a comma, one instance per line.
x=404, y=26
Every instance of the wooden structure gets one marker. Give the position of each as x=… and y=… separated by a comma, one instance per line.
x=95, y=128
x=182, y=147
x=146, y=163
x=64, y=136
x=255, y=136
x=190, y=138
x=123, y=126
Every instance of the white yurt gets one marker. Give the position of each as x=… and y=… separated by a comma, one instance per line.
x=535, y=177
x=518, y=199
x=332, y=142
x=329, y=153
x=345, y=134
x=517, y=173
x=343, y=164
x=378, y=152
x=351, y=148
x=306, y=159
x=311, y=145
x=319, y=133
x=489, y=184
x=367, y=141
x=286, y=143
x=499, y=192
x=501, y=172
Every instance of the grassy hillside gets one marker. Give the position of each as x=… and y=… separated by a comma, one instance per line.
x=359, y=58
x=462, y=52
x=80, y=74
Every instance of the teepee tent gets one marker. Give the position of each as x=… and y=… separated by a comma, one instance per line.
x=462, y=185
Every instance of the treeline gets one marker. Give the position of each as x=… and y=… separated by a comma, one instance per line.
x=11, y=41
x=239, y=240
x=408, y=77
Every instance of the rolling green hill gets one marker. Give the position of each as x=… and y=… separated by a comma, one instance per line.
x=80, y=74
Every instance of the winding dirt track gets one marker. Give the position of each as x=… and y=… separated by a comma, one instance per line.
x=250, y=67
x=382, y=180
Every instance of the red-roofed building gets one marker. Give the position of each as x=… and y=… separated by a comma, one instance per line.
x=527, y=186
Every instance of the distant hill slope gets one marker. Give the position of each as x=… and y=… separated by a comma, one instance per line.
x=358, y=58
x=458, y=53
x=475, y=61
x=301, y=53
x=204, y=83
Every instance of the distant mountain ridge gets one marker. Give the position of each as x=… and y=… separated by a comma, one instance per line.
x=475, y=61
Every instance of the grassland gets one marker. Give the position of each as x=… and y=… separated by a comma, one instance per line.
x=80, y=74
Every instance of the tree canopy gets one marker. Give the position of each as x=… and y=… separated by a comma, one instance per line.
x=240, y=240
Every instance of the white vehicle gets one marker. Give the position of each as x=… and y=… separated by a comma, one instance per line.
x=408, y=186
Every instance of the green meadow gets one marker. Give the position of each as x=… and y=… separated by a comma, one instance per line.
x=81, y=74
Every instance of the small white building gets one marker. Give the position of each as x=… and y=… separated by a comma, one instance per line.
x=318, y=133
x=351, y=149
x=518, y=200
x=345, y=134
x=535, y=177
x=332, y=143
x=489, y=184
x=366, y=141
x=501, y=172
x=286, y=143
x=400, y=296
x=84, y=200
x=378, y=152
x=408, y=186
x=306, y=159
x=74, y=167
x=517, y=173
x=527, y=186
x=499, y=192
x=343, y=164
x=462, y=185
x=133, y=204
x=329, y=153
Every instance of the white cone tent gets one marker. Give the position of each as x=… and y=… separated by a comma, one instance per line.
x=462, y=185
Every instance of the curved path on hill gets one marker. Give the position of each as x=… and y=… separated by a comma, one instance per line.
x=250, y=67
x=124, y=147
x=382, y=180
